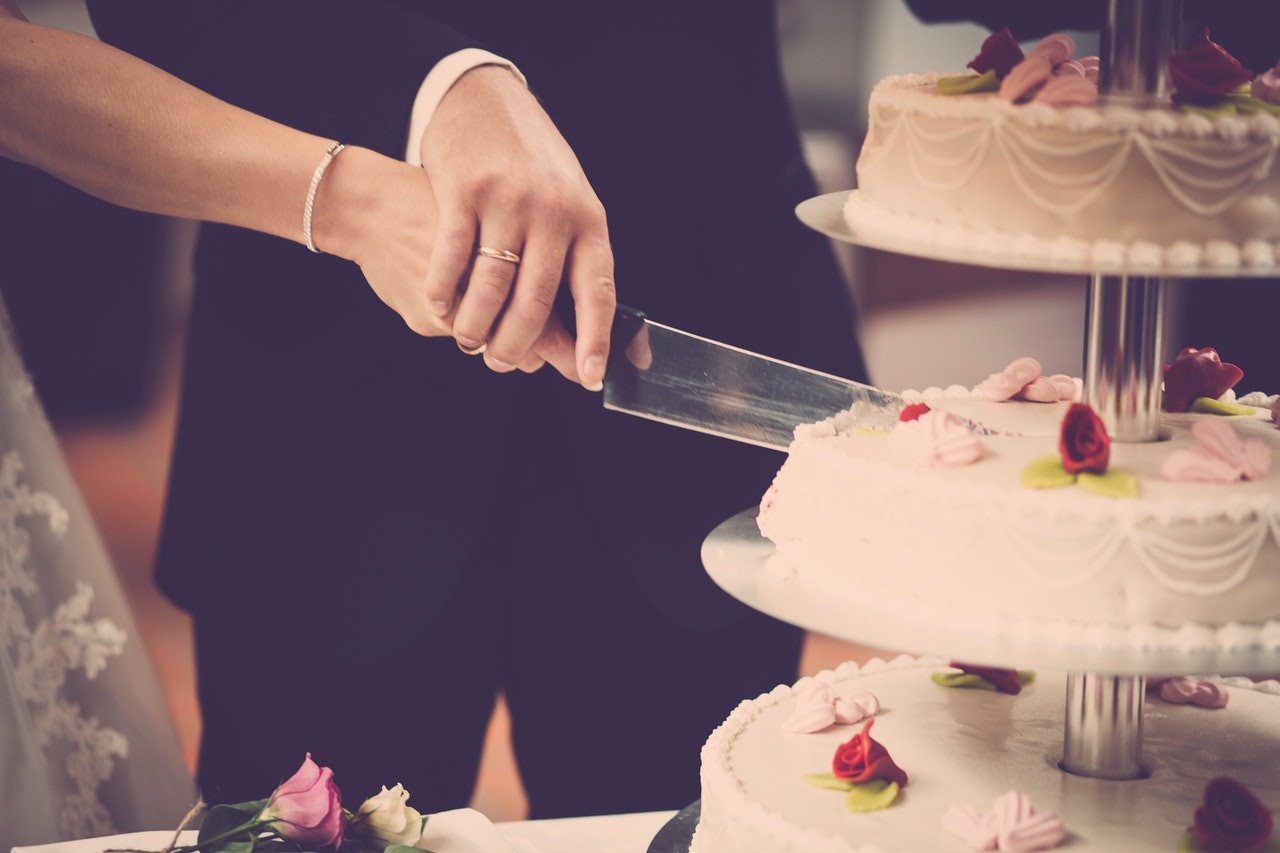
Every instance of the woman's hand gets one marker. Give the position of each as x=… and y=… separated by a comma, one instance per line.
x=504, y=178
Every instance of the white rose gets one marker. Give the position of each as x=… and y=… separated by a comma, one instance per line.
x=386, y=817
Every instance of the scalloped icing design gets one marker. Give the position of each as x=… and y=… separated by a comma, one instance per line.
x=966, y=747
x=970, y=540
x=1111, y=186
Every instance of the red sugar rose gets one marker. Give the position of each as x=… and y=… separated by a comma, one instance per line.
x=1005, y=680
x=861, y=759
x=999, y=52
x=1197, y=373
x=1205, y=72
x=912, y=412
x=1231, y=818
x=1083, y=443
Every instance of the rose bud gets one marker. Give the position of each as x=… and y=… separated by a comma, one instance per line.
x=1083, y=443
x=999, y=53
x=307, y=807
x=387, y=817
x=1197, y=373
x=861, y=759
x=1231, y=818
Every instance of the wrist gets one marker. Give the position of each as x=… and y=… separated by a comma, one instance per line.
x=345, y=201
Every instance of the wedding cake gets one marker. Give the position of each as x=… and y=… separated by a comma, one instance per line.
x=1026, y=159
x=1005, y=508
x=963, y=750
x=1173, y=542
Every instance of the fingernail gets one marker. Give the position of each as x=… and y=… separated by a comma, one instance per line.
x=438, y=307
x=500, y=366
x=470, y=347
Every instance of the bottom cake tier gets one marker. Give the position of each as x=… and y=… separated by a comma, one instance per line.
x=966, y=747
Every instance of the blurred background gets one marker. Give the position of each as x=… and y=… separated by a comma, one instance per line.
x=102, y=330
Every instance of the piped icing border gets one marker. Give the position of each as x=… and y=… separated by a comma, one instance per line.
x=1142, y=637
x=958, y=241
x=1166, y=139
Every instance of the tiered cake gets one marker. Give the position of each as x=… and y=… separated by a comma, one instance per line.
x=971, y=544
x=1113, y=184
x=1021, y=518
x=965, y=748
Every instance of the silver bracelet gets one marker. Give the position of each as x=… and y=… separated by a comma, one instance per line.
x=310, y=203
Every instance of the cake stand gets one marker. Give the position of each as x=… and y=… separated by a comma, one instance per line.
x=1125, y=314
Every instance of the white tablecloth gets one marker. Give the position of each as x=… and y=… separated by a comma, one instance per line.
x=626, y=833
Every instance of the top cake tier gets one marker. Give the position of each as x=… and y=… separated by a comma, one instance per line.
x=1111, y=187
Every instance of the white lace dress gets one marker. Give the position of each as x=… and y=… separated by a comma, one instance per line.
x=86, y=745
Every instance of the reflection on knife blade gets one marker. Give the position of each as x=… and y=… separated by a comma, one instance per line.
x=678, y=378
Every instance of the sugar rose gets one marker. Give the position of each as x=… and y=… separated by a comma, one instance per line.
x=1083, y=443
x=307, y=807
x=1206, y=72
x=861, y=759
x=999, y=53
x=1197, y=373
x=1231, y=818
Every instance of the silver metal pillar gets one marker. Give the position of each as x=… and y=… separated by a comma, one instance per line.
x=1103, y=737
x=1123, y=346
x=1137, y=41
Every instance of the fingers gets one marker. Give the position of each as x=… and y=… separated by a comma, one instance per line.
x=526, y=313
x=555, y=346
x=450, y=257
x=595, y=299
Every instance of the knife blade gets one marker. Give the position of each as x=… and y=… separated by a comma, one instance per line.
x=674, y=377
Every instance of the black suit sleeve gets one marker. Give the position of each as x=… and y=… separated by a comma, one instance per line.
x=346, y=69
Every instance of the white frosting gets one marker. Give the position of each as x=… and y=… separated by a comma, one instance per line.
x=1111, y=185
x=970, y=542
x=970, y=747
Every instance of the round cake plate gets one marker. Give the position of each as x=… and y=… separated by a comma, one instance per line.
x=735, y=556
x=825, y=214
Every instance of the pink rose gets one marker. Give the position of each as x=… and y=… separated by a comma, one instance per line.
x=1205, y=72
x=1267, y=86
x=1231, y=817
x=1083, y=443
x=307, y=807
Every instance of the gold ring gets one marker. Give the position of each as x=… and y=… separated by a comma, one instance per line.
x=475, y=351
x=498, y=254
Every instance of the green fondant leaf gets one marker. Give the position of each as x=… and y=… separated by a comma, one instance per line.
x=871, y=796
x=1045, y=473
x=828, y=782
x=1246, y=103
x=964, y=84
x=1217, y=109
x=1112, y=484
x=1026, y=676
x=1187, y=843
x=961, y=679
x=1210, y=406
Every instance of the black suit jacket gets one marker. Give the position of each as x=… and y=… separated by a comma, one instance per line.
x=329, y=462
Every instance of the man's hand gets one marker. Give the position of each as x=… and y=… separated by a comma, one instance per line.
x=504, y=178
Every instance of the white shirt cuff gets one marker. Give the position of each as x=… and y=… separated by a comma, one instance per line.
x=439, y=80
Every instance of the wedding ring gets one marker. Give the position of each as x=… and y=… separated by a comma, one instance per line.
x=498, y=254
x=475, y=351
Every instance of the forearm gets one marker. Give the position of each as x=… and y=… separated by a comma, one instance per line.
x=133, y=135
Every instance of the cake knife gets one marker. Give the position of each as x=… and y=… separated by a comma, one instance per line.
x=674, y=377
